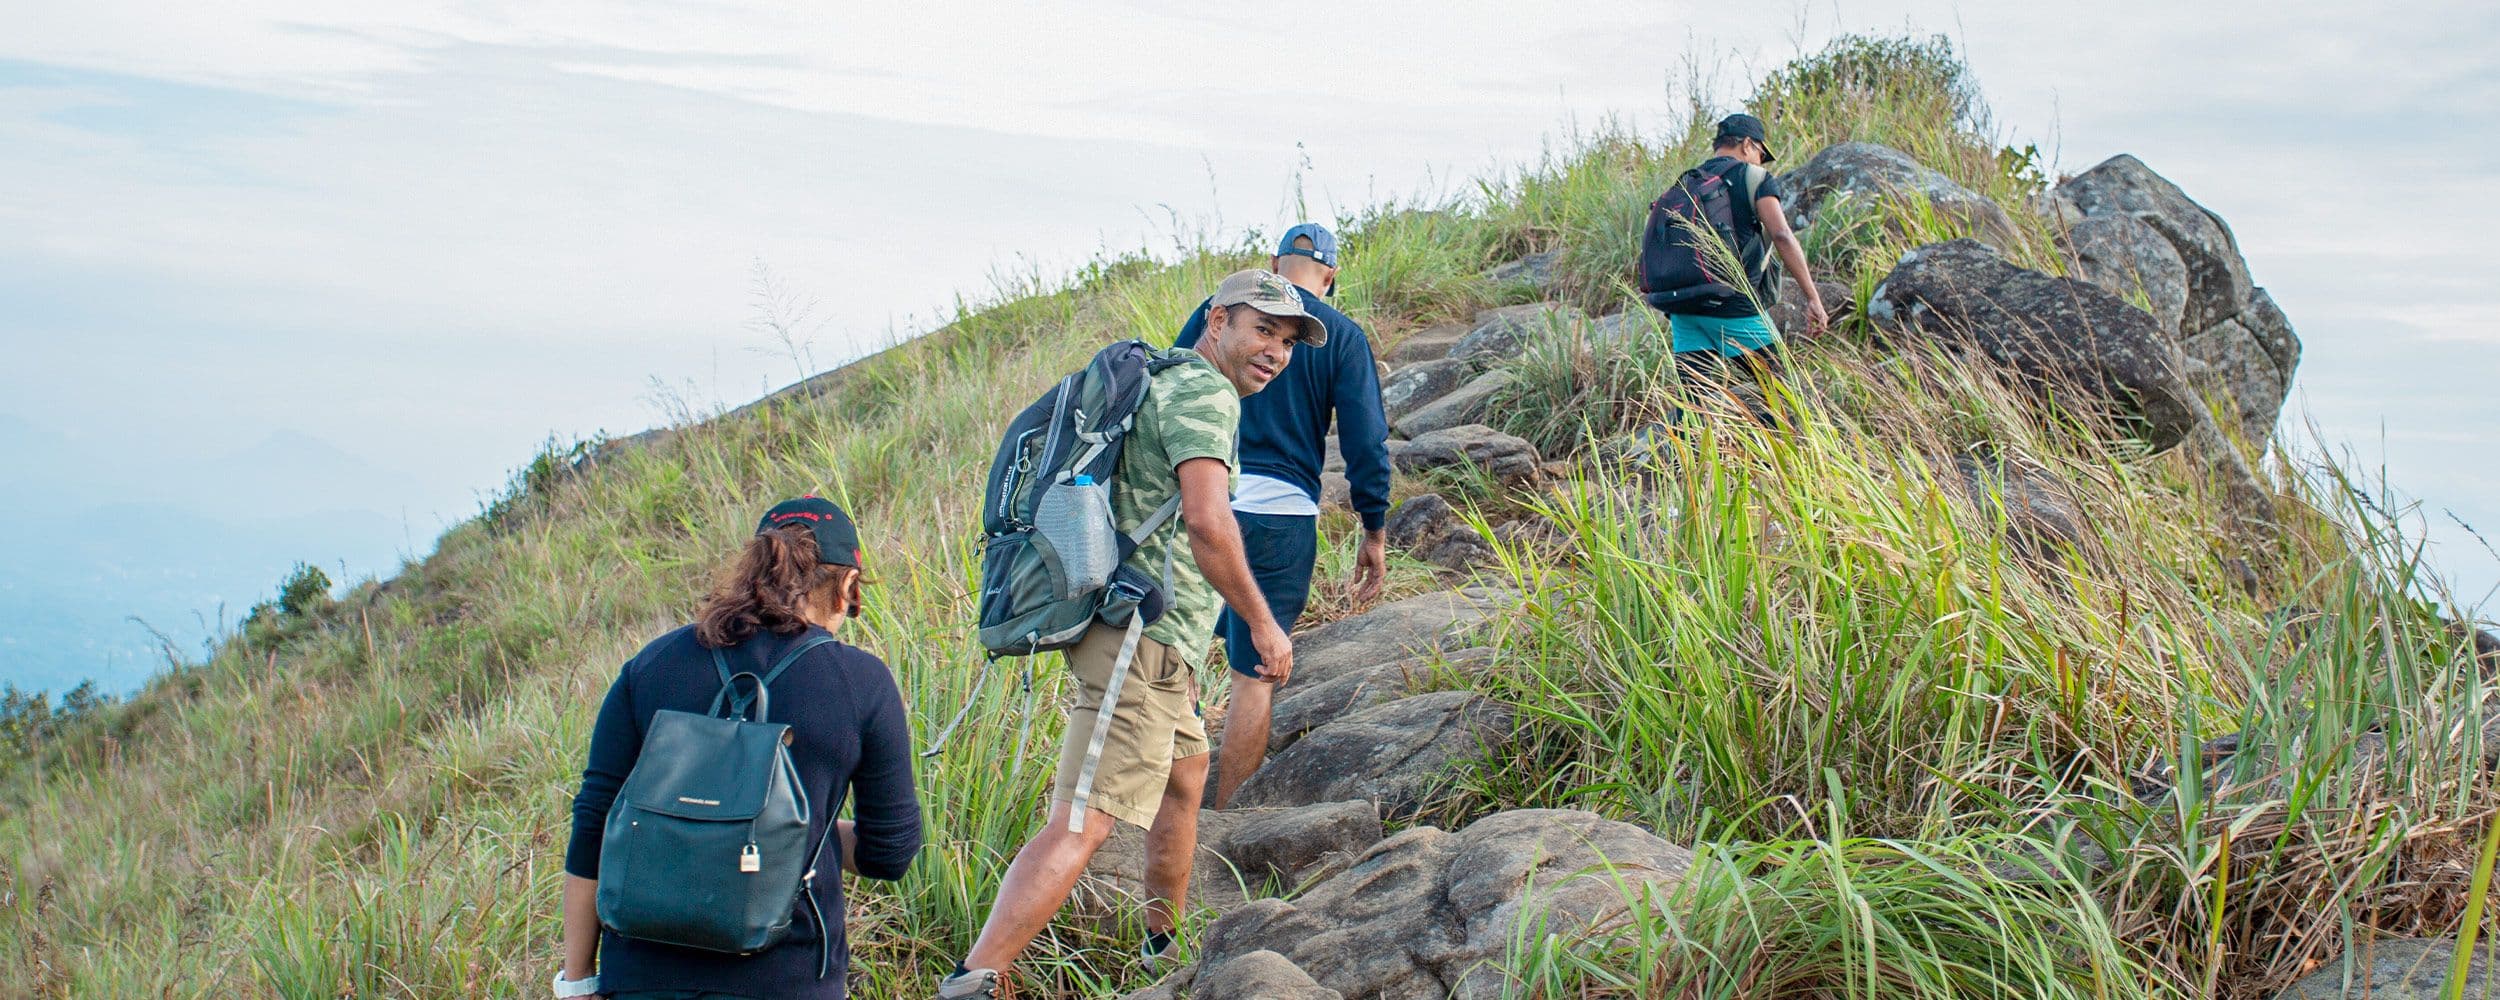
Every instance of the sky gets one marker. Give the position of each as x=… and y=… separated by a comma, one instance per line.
x=287, y=280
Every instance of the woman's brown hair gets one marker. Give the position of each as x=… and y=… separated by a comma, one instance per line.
x=771, y=588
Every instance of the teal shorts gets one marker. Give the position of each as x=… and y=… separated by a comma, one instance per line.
x=1726, y=337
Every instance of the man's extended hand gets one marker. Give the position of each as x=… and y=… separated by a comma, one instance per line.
x=1818, y=321
x=1371, y=566
x=1275, y=653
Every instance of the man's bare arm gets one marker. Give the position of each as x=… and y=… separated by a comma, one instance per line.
x=1777, y=232
x=1215, y=541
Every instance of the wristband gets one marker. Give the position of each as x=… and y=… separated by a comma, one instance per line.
x=567, y=988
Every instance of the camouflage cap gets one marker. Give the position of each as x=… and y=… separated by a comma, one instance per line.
x=1270, y=293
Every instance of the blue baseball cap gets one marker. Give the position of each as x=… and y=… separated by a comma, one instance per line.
x=1323, y=243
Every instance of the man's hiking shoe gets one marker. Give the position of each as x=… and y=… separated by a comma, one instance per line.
x=976, y=984
x=1157, y=951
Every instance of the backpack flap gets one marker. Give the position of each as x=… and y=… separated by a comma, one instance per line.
x=695, y=767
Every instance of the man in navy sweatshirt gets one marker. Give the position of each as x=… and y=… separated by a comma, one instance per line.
x=1284, y=445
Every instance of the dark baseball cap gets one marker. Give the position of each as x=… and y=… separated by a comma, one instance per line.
x=1323, y=246
x=1747, y=127
x=837, y=540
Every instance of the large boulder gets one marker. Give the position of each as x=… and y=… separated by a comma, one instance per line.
x=2128, y=256
x=1395, y=631
x=2217, y=276
x=1285, y=846
x=2397, y=969
x=2227, y=360
x=1401, y=755
x=1301, y=708
x=1427, y=527
x=1260, y=975
x=1470, y=404
x=2052, y=330
x=1504, y=456
x=1504, y=332
x=1427, y=914
x=1866, y=171
x=1417, y=385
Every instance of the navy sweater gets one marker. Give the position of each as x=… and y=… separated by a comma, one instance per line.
x=1284, y=427
x=852, y=738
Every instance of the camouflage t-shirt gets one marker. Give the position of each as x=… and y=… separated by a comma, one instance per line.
x=1191, y=411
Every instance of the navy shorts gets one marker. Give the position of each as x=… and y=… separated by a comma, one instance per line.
x=1282, y=548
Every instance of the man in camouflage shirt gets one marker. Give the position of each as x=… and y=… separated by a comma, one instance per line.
x=1153, y=769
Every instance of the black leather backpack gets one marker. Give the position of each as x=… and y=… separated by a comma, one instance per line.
x=707, y=843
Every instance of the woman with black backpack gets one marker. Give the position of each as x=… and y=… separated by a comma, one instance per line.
x=694, y=823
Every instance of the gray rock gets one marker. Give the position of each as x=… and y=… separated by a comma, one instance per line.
x=1505, y=456
x=2265, y=321
x=1536, y=270
x=1468, y=405
x=1868, y=171
x=1431, y=343
x=2129, y=257
x=1394, y=631
x=1633, y=325
x=1287, y=846
x=2051, y=330
x=2041, y=514
x=2397, y=969
x=1301, y=708
x=2227, y=360
x=1502, y=333
x=1260, y=975
x=1413, y=387
x=1428, y=914
x=1420, y=521
x=1461, y=550
x=1788, y=315
x=1401, y=755
x=2217, y=276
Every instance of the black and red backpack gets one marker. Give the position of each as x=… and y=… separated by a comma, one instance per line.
x=1677, y=275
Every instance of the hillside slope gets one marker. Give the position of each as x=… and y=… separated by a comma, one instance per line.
x=1956, y=688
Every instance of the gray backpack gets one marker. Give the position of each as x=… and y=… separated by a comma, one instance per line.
x=1053, y=562
x=706, y=846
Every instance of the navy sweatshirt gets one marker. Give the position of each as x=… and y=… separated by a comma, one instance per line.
x=852, y=738
x=1284, y=427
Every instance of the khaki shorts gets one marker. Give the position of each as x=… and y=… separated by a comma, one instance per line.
x=1156, y=723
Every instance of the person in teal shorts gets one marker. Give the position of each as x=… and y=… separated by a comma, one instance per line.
x=1723, y=342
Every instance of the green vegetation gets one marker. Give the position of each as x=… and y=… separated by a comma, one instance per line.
x=1918, y=752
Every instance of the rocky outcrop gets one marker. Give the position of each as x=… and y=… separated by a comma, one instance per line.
x=2052, y=330
x=1429, y=529
x=2217, y=276
x=1428, y=914
x=1866, y=171
x=1300, y=709
x=2131, y=258
x=1418, y=385
x=1470, y=404
x=1504, y=456
x=1788, y=314
x=2238, y=343
x=1504, y=332
x=2397, y=969
x=1395, y=631
x=1285, y=846
x=1401, y=755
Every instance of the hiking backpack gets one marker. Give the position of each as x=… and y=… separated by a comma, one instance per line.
x=1677, y=275
x=706, y=846
x=1053, y=560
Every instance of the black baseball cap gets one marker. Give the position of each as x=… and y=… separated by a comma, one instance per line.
x=837, y=540
x=1747, y=127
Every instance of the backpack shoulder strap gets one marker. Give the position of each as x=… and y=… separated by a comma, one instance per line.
x=729, y=681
